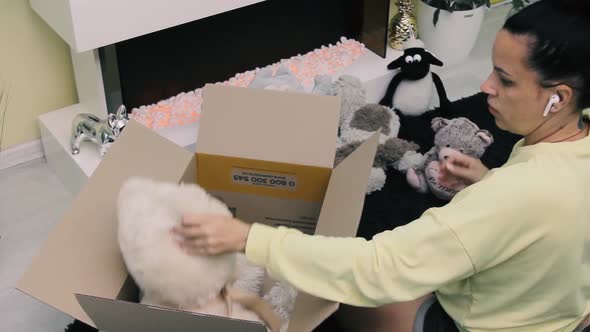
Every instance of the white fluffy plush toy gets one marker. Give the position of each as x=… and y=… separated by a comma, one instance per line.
x=283, y=80
x=348, y=87
x=169, y=277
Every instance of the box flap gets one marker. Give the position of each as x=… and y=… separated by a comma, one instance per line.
x=310, y=312
x=340, y=216
x=287, y=127
x=120, y=316
x=82, y=255
x=345, y=197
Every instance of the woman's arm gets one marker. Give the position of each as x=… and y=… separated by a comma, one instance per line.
x=483, y=226
x=398, y=265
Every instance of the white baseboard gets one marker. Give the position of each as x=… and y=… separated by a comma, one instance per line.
x=21, y=154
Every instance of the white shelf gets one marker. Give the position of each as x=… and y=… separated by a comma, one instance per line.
x=74, y=170
x=87, y=25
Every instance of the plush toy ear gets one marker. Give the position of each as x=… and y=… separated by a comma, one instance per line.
x=485, y=136
x=432, y=59
x=438, y=123
x=397, y=63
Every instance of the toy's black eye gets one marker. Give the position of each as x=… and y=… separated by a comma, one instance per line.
x=417, y=58
x=448, y=145
x=461, y=150
x=409, y=59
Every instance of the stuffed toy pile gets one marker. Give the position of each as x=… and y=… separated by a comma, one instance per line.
x=359, y=120
x=169, y=277
x=451, y=136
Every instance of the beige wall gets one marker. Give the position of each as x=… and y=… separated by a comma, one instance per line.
x=35, y=63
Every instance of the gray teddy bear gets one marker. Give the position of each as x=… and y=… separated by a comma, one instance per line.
x=452, y=135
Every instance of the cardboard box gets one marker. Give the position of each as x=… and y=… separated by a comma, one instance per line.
x=268, y=155
x=252, y=134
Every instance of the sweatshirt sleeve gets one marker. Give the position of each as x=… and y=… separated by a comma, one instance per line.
x=483, y=226
x=395, y=266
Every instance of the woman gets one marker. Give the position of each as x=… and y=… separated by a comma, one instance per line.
x=511, y=252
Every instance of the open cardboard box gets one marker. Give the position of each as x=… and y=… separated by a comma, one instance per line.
x=267, y=154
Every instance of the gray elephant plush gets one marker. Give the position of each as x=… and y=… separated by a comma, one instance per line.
x=362, y=124
x=348, y=87
x=458, y=134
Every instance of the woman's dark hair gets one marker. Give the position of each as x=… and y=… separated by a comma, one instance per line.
x=559, y=49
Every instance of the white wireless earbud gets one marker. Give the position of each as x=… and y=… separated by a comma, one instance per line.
x=554, y=100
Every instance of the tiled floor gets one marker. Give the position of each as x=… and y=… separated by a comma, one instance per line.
x=32, y=200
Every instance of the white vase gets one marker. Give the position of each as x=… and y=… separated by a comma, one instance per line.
x=454, y=35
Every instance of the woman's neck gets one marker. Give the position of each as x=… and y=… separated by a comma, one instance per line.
x=562, y=130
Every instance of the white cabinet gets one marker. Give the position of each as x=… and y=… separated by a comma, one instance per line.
x=90, y=24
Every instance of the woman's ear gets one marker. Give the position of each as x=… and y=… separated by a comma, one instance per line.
x=566, y=96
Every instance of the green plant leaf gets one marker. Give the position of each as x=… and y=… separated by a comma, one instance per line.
x=435, y=18
x=456, y=5
x=440, y=4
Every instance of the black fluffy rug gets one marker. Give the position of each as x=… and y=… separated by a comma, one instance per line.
x=78, y=326
x=397, y=203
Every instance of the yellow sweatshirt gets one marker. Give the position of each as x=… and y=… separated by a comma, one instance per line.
x=510, y=253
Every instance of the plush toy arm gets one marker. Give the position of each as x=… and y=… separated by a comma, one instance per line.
x=377, y=179
x=417, y=180
x=410, y=159
x=442, y=93
x=281, y=298
x=416, y=176
x=344, y=151
x=388, y=98
x=431, y=155
x=256, y=304
x=392, y=151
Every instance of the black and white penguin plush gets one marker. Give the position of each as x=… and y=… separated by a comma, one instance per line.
x=411, y=91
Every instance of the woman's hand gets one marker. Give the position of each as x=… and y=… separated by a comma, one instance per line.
x=461, y=168
x=211, y=234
